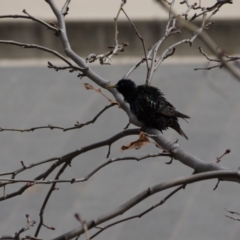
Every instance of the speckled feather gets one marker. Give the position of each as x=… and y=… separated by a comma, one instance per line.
x=150, y=106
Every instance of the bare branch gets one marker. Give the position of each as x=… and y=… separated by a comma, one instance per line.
x=138, y=215
x=65, y=8
x=186, y=158
x=71, y=68
x=82, y=63
x=84, y=225
x=49, y=26
x=226, y=174
x=41, y=222
x=168, y=31
x=205, y=25
x=218, y=160
x=30, y=224
x=117, y=47
x=231, y=212
x=45, y=49
x=106, y=57
x=65, y=158
x=233, y=218
x=220, y=65
x=206, y=39
x=76, y=180
x=135, y=66
x=140, y=37
x=76, y=126
x=14, y=173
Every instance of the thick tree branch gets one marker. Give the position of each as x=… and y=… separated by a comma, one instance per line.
x=224, y=174
x=82, y=63
x=138, y=215
x=184, y=157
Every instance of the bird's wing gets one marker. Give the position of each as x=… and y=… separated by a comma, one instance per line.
x=165, y=108
x=152, y=99
x=159, y=105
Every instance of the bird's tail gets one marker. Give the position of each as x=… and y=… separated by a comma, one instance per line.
x=177, y=128
x=181, y=115
x=181, y=132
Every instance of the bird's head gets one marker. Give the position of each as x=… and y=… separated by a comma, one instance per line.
x=124, y=86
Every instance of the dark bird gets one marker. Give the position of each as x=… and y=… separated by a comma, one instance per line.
x=149, y=106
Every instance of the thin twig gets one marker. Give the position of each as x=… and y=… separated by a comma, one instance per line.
x=14, y=173
x=168, y=31
x=45, y=49
x=71, y=155
x=170, y=50
x=231, y=212
x=65, y=8
x=140, y=37
x=76, y=126
x=206, y=38
x=76, y=180
x=56, y=68
x=49, y=26
x=41, y=222
x=105, y=58
x=220, y=65
x=30, y=223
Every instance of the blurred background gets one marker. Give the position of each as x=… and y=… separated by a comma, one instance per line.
x=32, y=95
x=91, y=27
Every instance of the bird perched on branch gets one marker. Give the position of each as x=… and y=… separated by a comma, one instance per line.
x=149, y=106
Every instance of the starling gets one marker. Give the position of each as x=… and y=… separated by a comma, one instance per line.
x=149, y=106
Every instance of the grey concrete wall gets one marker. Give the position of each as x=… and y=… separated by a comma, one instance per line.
x=95, y=36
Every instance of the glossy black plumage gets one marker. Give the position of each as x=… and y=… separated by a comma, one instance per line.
x=150, y=106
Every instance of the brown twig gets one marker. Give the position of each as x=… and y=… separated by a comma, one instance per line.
x=25, y=167
x=49, y=26
x=45, y=49
x=218, y=160
x=216, y=186
x=71, y=68
x=105, y=57
x=220, y=65
x=140, y=37
x=205, y=38
x=87, y=177
x=76, y=126
x=65, y=158
x=30, y=223
x=231, y=212
x=41, y=222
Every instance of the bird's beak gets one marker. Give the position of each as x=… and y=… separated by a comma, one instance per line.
x=111, y=86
